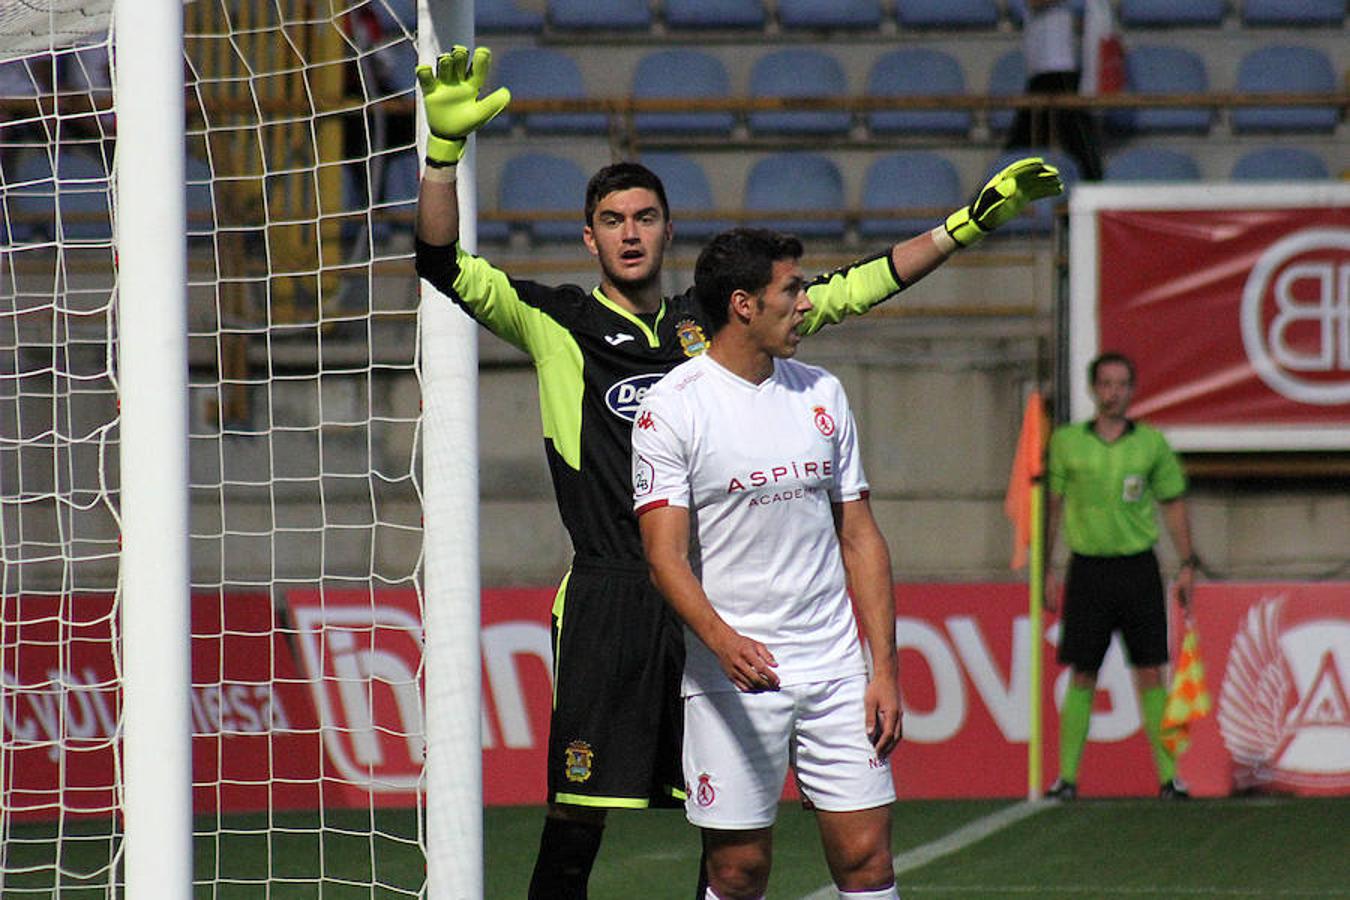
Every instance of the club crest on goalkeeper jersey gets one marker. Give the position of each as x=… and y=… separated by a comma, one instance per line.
x=595, y=362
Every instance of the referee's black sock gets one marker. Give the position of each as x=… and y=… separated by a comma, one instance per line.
x=567, y=851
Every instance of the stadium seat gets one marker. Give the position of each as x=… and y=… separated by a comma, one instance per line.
x=1280, y=164
x=689, y=195
x=829, y=13
x=1282, y=69
x=504, y=15
x=946, y=13
x=908, y=179
x=85, y=199
x=798, y=72
x=1017, y=9
x=1007, y=78
x=1152, y=164
x=1165, y=13
x=917, y=70
x=1038, y=217
x=539, y=182
x=681, y=74
x=616, y=15
x=199, y=203
x=715, y=13
x=541, y=73
x=1163, y=70
x=783, y=183
x=398, y=190
x=1301, y=13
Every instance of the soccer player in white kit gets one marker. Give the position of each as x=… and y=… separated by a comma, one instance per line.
x=753, y=459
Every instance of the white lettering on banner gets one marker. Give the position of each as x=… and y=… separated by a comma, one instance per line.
x=501, y=644
x=66, y=706
x=949, y=688
x=237, y=709
x=348, y=700
x=1324, y=311
x=1008, y=704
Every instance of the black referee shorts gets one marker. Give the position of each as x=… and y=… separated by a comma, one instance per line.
x=617, y=725
x=1105, y=594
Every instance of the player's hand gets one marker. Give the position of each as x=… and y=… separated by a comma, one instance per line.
x=1003, y=197
x=1050, y=596
x=450, y=97
x=1183, y=586
x=748, y=663
x=884, y=715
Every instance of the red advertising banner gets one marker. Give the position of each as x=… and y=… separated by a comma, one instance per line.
x=1235, y=306
x=334, y=717
x=1277, y=662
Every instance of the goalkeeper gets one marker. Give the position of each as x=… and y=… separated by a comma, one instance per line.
x=615, y=730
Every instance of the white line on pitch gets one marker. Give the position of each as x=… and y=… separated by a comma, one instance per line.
x=959, y=839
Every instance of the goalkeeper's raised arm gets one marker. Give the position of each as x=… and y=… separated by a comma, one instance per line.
x=1000, y=200
x=453, y=112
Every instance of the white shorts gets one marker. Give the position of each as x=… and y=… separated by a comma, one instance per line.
x=737, y=748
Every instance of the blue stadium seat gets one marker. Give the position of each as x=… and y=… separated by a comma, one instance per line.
x=715, y=13
x=504, y=15
x=85, y=212
x=398, y=193
x=1039, y=217
x=199, y=204
x=1302, y=13
x=903, y=180
x=626, y=15
x=1152, y=164
x=681, y=74
x=787, y=182
x=946, y=13
x=1163, y=70
x=829, y=13
x=1017, y=9
x=540, y=182
x=799, y=72
x=1164, y=13
x=1007, y=78
x=917, y=70
x=1281, y=69
x=541, y=73
x=1280, y=164
x=689, y=195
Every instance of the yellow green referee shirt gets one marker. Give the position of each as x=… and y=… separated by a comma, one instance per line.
x=1109, y=490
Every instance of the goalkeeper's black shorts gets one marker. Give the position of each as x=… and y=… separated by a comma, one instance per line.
x=617, y=725
x=1105, y=594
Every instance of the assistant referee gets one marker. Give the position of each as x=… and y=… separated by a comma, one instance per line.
x=1107, y=475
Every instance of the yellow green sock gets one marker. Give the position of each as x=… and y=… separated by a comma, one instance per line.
x=1154, y=703
x=1074, y=721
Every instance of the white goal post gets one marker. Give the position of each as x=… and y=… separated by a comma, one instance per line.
x=239, y=637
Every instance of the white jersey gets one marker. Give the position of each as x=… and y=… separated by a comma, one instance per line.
x=759, y=467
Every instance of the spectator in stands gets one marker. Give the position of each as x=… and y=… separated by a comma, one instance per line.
x=1106, y=476
x=1050, y=49
x=615, y=733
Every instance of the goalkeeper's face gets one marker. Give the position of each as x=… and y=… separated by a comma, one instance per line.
x=628, y=235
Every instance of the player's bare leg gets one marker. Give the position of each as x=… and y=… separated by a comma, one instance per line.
x=858, y=848
x=738, y=862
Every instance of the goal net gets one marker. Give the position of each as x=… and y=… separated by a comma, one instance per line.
x=306, y=539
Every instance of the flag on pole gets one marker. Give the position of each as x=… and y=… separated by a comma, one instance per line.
x=1028, y=465
x=1189, y=699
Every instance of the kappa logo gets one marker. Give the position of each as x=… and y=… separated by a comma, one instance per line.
x=1283, y=710
x=624, y=397
x=1296, y=316
x=646, y=422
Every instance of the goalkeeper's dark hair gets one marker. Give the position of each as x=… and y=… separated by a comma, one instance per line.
x=1110, y=357
x=738, y=260
x=621, y=176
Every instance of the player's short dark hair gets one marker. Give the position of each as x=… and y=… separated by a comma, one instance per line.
x=1108, y=358
x=621, y=176
x=740, y=259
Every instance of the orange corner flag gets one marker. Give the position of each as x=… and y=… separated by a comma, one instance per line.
x=1028, y=465
x=1189, y=699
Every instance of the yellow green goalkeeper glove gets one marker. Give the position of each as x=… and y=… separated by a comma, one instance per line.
x=1006, y=194
x=450, y=97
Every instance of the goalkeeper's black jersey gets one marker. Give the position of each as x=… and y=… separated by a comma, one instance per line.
x=595, y=361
